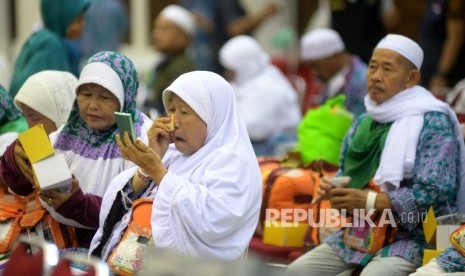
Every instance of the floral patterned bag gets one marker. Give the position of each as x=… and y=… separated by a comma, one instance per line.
x=369, y=238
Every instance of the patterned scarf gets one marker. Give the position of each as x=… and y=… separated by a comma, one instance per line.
x=8, y=112
x=93, y=144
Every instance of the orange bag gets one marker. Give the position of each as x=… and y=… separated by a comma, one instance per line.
x=278, y=172
x=11, y=210
x=37, y=222
x=288, y=185
x=127, y=257
x=26, y=214
x=34, y=211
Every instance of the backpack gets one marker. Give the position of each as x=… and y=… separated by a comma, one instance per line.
x=288, y=186
x=27, y=215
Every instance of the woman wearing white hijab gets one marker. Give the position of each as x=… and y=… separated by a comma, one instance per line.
x=45, y=98
x=107, y=83
x=50, y=93
x=266, y=99
x=203, y=175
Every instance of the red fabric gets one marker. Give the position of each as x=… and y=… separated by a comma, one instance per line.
x=313, y=88
x=294, y=255
x=461, y=117
x=276, y=253
x=12, y=175
x=22, y=263
x=63, y=268
x=81, y=207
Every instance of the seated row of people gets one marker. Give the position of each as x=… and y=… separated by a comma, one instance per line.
x=202, y=205
x=198, y=170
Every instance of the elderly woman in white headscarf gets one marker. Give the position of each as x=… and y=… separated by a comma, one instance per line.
x=200, y=170
x=266, y=99
x=46, y=98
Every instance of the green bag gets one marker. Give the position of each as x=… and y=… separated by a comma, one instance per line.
x=322, y=130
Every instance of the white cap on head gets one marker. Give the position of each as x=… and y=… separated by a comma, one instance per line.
x=403, y=46
x=320, y=43
x=103, y=75
x=181, y=17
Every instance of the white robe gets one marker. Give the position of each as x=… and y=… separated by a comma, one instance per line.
x=266, y=99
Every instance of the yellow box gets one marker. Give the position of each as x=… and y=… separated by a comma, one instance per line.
x=284, y=234
x=36, y=143
x=429, y=254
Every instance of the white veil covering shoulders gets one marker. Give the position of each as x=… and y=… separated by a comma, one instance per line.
x=208, y=203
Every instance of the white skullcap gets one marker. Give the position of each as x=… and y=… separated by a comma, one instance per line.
x=49, y=92
x=403, y=46
x=103, y=75
x=320, y=43
x=180, y=17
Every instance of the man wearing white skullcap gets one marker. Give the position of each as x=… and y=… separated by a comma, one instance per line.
x=408, y=48
x=322, y=50
x=404, y=156
x=172, y=33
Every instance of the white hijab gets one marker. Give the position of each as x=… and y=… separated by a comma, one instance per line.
x=212, y=98
x=49, y=92
x=208, y=203
x=266, y=99
x=407, y=110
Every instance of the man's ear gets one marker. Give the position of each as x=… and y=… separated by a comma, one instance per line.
x=414, y=77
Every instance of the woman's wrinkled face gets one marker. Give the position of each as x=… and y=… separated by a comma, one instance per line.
x=190, y=131
x=33, y=118
x=97, y=106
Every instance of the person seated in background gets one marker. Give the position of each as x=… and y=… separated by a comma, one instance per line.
x=266, y=99
x=108, y=83
x=11, y=120
x=172, y=31
x=50, y=47
x=107, y=23
x=404, y=156
x=323, y=51
x=201, y=206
